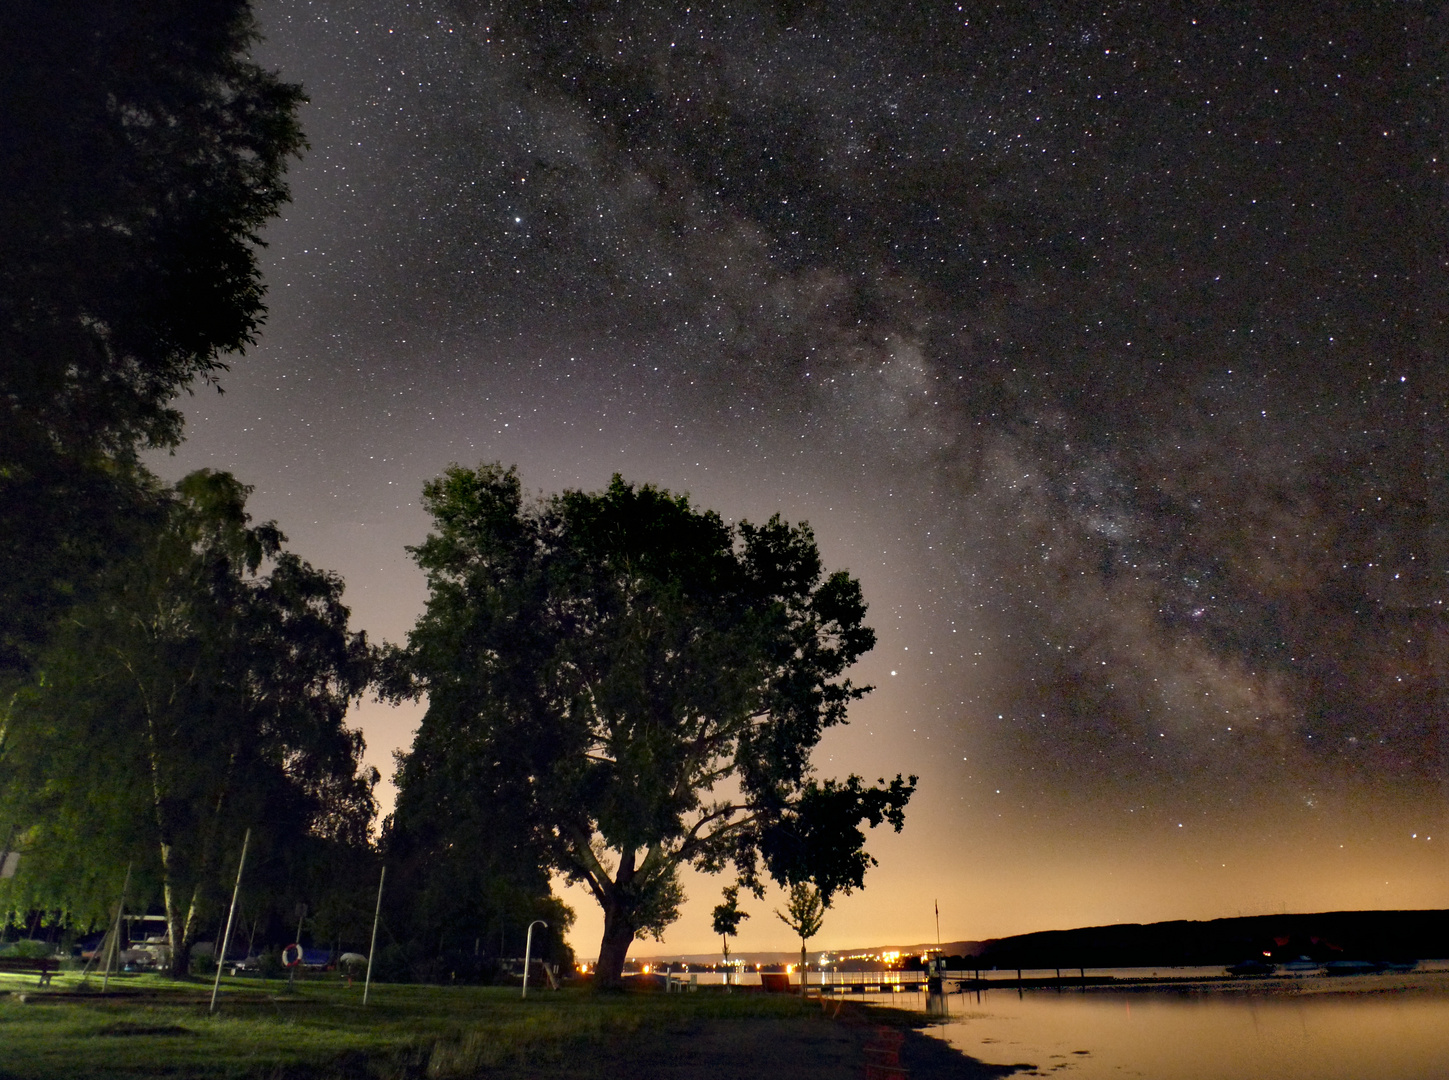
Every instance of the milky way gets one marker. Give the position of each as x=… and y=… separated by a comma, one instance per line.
x=1103, y=342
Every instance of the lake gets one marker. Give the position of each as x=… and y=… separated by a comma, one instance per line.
x=1374, y=1027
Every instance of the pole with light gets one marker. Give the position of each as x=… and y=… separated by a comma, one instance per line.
x=528, y=951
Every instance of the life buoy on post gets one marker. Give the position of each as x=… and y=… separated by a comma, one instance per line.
x=291, y=956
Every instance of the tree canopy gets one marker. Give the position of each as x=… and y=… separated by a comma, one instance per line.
x=168, y=672
x=200, y=693
x=629, y=685
x=143, y=151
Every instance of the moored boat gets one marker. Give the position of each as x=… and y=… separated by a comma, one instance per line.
x=1252, y=966
x=1300, y=967
x=1350, y=967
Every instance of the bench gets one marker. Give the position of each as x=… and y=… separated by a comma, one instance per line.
x=44, y=966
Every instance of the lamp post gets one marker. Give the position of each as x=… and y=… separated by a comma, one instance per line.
x=528, y=952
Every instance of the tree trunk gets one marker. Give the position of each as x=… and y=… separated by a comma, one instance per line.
x=802, y=968
x=618, y=936
x=180, y=959
x=180, y=929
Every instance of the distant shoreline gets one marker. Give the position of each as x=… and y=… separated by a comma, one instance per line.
x=1433, y=981
x=1369, y=935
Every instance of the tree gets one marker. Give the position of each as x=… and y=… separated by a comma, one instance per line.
x=726, y=919
x=637, y=685
x=143, y=151
x=468, y=881
x=804, y=913
x=201, y=693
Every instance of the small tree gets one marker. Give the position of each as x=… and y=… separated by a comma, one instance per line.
x=804, y=912
x=727, y=918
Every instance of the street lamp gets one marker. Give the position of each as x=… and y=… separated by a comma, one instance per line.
x=528, y=952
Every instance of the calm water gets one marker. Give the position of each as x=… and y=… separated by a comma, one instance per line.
x=1359, y=1028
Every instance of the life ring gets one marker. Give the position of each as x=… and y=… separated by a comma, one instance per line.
x=291, y=956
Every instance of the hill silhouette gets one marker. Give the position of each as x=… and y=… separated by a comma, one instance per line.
x=1322, y=936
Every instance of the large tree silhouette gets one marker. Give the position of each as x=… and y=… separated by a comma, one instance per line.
x=636, y=686
x=141, y=152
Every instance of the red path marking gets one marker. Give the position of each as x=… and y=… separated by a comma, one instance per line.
x=883, y=1055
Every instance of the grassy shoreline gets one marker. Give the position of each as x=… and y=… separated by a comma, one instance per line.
x=152, y=1026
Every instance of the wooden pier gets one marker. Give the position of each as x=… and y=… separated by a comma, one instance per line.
x=871, y=982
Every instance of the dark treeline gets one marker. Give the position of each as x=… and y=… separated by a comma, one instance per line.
x=173, y=679
x=170, y=675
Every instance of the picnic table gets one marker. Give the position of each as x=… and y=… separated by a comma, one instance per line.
x=44, y=966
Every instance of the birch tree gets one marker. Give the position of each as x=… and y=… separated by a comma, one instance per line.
x=202, y=694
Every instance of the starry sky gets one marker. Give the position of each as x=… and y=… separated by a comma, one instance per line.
x=1104, y=343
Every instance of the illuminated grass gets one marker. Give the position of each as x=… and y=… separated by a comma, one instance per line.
x=151, y=1026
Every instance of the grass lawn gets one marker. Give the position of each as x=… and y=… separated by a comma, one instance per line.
x=151, y=1026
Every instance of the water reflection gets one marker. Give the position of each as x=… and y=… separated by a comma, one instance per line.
x=1383, y=1027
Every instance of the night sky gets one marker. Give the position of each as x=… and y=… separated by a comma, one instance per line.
x=1104, y=343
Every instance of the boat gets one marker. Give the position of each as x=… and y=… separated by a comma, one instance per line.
x=1302, y=966
x=1350, y=967
x=1252, y=966
x=1396, y=966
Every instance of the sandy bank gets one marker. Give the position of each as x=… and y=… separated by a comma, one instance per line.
x=796, y=1048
